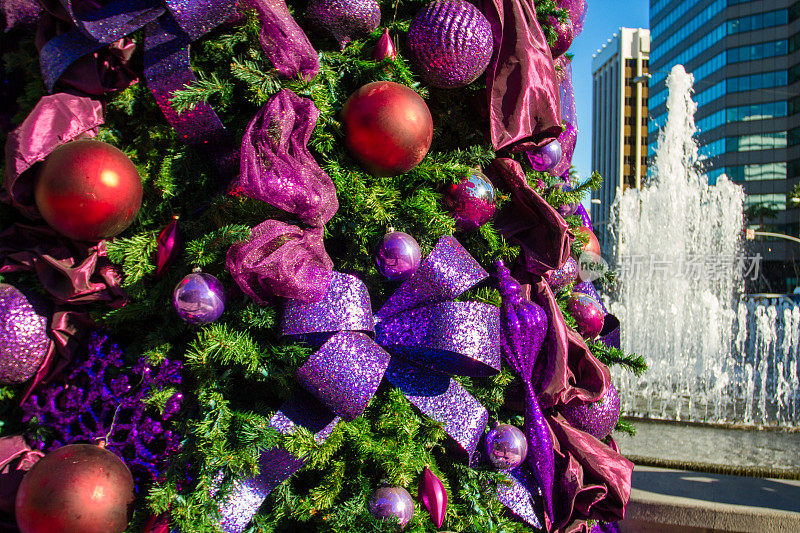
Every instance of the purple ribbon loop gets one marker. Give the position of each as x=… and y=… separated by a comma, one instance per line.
x=449, y=337
x=170, y=27
x=354, y=363
x=448, y=271
x=345, y=307
x=420, y=326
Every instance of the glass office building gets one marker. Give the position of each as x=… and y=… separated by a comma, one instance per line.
x=746, y=65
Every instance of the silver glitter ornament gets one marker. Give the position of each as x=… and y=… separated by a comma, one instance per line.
x=450, y=43
x=345, y=19
x=23, y=336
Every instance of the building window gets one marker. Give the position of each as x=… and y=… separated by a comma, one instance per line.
x=747, y=113
x=754, y=52
x=758, y=21
x=776, y=201
x=757, y=81
x=766, y=171
x=759, y=141
x=686, y=30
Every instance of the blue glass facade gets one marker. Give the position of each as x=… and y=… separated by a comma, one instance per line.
x=745, y=58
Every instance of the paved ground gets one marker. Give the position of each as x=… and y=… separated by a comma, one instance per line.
x=665, y=500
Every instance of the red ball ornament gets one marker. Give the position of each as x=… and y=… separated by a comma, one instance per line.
x=88, y=190
x=388, y=127
x=78, y=488
x=593, y=245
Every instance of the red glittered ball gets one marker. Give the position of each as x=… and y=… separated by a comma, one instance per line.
x=88, y=190
x=78, y=488
x=388, y=127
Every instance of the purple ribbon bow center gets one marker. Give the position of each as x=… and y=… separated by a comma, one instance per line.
x=429, y=337
x=417, y=340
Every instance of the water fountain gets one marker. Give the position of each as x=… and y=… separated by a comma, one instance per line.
x=713, y=356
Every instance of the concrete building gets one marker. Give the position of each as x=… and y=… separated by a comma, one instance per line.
x=745, y=61
x=619, y=119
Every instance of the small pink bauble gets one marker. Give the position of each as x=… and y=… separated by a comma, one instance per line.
x=588, y=313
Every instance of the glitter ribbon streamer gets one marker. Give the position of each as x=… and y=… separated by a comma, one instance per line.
x=524, y=326
x=421, y=337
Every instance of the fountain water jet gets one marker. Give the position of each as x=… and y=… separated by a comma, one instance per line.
x=711, y=357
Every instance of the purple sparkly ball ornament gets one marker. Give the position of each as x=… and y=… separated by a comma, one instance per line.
x=345, y=19
x=588, y=313
x=562, y=277
x=598, y=418
x=450, y=43
x=506, y=446
x=199, y=298
x=398, y=255
x=565, y=34
x=23, y=336
x=546, y=157
x=472, y=201
x=387, y=502
x=566, y=210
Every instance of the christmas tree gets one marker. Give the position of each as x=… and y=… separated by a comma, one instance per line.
x=379, y=200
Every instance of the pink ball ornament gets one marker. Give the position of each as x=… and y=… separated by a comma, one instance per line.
x=345, y=19
x=546, y=157
x=388, y=502
x=398, y=256
x=450, y=43
x=565, y=32
x=472, y=201
x=588, y=313
x=563, y=276
x=598, y=418
x=506, y=446
x=23, y=336
x=199, y=298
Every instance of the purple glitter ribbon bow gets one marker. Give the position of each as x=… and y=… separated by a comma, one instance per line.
x=170, y=26
x=430, y=338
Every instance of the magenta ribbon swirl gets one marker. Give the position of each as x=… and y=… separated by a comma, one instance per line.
x=417, y=340
x=279, y=258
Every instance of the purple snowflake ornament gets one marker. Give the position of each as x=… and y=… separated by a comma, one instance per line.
x=103, y=399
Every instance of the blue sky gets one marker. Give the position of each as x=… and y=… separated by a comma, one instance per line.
x=603, y=19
